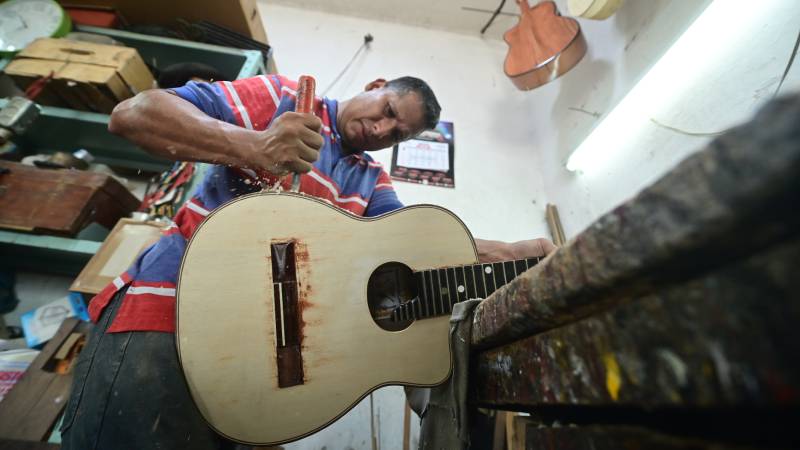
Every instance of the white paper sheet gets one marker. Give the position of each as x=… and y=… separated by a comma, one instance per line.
x=424, y=155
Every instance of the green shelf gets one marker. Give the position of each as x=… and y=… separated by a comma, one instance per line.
x=62, y=129
x=45, y=253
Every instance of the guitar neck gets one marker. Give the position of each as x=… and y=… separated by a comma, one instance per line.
x=439, y=289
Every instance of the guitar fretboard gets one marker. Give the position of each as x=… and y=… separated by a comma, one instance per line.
x=439, y=289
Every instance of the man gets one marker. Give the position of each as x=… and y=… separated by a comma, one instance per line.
x=128, y=390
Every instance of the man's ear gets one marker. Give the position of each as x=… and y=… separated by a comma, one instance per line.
x=376, y=84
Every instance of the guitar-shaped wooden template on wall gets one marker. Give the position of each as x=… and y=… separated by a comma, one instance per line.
x=542, y=46
x=291, y=310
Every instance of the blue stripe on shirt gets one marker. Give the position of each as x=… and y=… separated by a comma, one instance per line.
x=208, y=98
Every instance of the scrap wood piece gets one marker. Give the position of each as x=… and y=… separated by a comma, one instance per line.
x=721, y=204
x=31, y=408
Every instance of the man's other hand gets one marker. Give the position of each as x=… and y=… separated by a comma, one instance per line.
x=494, y=251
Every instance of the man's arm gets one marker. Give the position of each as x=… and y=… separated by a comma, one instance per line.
x=170, y=127
x=493, y=251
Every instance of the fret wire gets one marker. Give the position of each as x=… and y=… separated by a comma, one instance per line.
x=505, y=276
x=453, y=283
x=425, y=288
x=464, y=283
x=468, y=281
x=420, y=287
x=485, y=281
x=430, y=311
x=494, y=277
x=449, y=304
x=434, y=301
x=475, y=292
x=471, y=271
x=497, y=274
x=444, y=290
x=511, y=271
x=441, y=293
x=433, y=294
x=479, y=268
x=519, y=266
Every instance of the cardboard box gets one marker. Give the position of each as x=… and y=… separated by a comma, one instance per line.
x=42, y=323
x=120, y=249
x=86, y=76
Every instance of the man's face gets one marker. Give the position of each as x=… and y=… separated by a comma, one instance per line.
x=380, y=118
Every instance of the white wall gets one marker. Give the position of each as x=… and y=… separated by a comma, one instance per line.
x=499, y=192
x=737, y=70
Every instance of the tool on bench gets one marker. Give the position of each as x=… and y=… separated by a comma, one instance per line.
x=303, y=104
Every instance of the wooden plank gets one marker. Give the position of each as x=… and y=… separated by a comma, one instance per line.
x=722, y=204
x=33, y=405
x=725, y=340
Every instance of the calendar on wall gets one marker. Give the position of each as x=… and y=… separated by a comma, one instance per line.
x=426, y=159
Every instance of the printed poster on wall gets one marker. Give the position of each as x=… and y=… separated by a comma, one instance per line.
x=426, y=159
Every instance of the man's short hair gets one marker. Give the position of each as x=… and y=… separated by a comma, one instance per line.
x=404, y=85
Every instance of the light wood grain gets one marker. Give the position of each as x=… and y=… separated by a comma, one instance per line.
x=226, y=334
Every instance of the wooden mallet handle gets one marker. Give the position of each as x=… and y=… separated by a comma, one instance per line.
x=304, y=103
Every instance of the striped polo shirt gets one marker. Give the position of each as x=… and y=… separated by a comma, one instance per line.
x=353, y=182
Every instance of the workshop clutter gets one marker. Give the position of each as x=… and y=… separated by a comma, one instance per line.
x=80, y=75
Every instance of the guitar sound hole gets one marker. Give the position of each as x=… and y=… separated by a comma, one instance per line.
x=390, y=285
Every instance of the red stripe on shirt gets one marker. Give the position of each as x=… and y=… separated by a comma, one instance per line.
x=256, y=101
x=145, y=312
x=236, y=114
x=99, y=302
x=188, y=220
x=384, y=182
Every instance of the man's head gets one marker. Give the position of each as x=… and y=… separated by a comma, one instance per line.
x=387, y=112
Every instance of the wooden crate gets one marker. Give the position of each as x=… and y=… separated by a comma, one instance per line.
x=85, y=76
x=60, y=202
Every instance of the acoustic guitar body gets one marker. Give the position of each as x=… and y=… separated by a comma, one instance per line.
x=233, y=344
x=542, y=46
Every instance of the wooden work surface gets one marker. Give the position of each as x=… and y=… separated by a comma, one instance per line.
x=675, y=313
